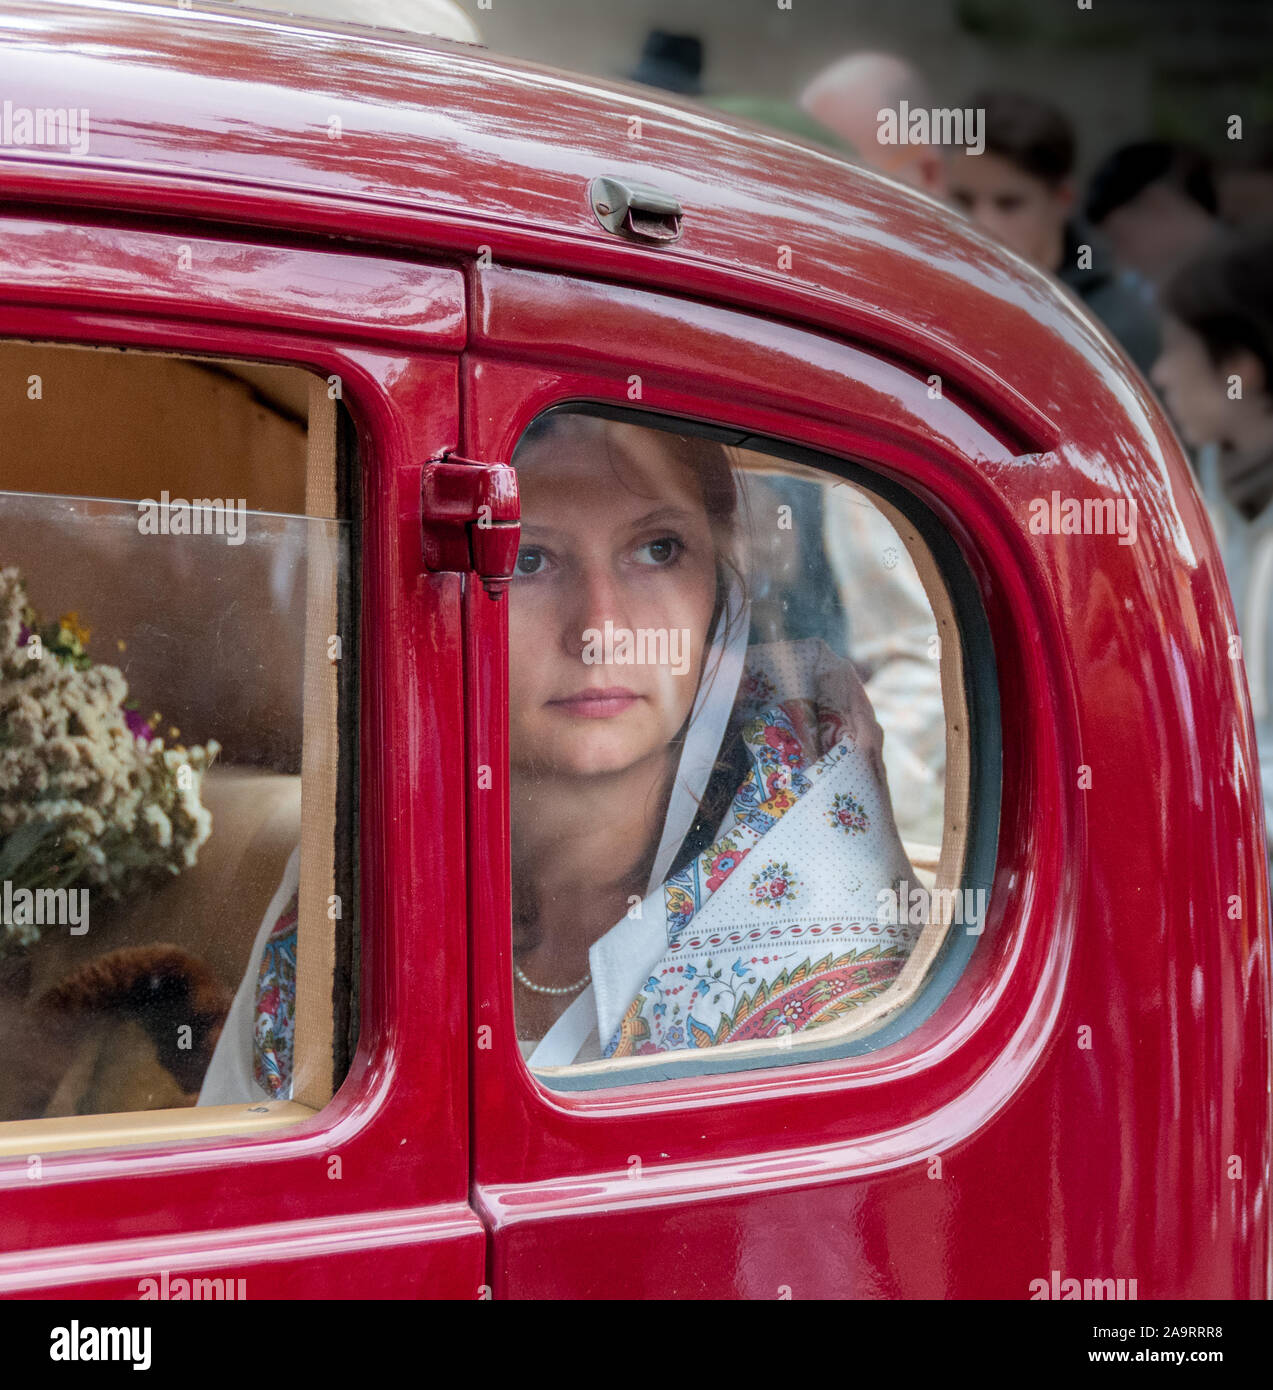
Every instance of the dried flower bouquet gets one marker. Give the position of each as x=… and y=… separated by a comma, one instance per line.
x=89, y=796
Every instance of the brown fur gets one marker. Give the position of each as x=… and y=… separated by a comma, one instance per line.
x=104, y=1039
x=162, y=988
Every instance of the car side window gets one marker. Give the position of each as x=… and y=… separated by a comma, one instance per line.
x=178, y=908
x=738, y=749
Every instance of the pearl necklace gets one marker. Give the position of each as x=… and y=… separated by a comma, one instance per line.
x=548, y=989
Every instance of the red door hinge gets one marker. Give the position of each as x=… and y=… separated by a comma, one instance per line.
x=471, y=518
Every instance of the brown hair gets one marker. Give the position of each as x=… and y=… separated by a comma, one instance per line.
x=1030, y=134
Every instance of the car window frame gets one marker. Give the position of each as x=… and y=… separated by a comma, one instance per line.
x=545, y=337
x=981, y=739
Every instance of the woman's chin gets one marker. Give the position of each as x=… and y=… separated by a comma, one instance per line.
x=597, y=754
x=602, y=762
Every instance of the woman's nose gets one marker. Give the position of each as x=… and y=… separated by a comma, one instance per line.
x=598, y=599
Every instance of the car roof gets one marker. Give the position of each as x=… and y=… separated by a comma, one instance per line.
x=316, y=111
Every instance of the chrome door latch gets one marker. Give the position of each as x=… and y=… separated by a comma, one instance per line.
x=470, y=518
x=635, y=210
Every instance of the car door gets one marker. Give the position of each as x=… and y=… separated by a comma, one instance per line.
x=969, y=1145
x=146, y=369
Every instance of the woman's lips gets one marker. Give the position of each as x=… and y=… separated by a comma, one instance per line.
x=598, y=703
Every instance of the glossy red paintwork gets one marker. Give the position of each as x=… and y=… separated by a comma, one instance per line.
x=809, y=302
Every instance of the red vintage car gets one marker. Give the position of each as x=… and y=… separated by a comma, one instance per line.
x=337, y=274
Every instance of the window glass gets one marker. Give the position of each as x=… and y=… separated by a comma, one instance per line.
x=732, y=827
x=177, y=905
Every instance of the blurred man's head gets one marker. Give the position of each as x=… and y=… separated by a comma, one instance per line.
x=1215, y=371
x=1156, y=203
x=1244, y=182
x=848, y=97
x=1020, y=189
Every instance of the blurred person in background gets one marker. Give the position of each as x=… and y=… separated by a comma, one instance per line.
x=847, y=99
x=1216, y=377
x=1244, y=183
x=1021, y=191
x=1156, y=203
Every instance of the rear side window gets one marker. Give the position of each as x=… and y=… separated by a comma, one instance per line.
x=740, y=745
x=177, y=750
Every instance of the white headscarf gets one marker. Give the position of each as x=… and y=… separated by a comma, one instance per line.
x=713, y=704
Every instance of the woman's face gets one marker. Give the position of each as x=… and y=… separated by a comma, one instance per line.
x=1194, y=388
x=614, y=532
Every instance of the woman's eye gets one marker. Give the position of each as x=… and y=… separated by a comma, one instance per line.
x=530, y=561
x=660, y=552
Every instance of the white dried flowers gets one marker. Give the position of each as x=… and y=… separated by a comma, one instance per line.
x=88, y=796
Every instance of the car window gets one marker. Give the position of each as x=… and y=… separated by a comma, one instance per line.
x=177, y=753
x=738, y=753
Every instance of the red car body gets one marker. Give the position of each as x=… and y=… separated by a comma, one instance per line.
x=414, y=215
